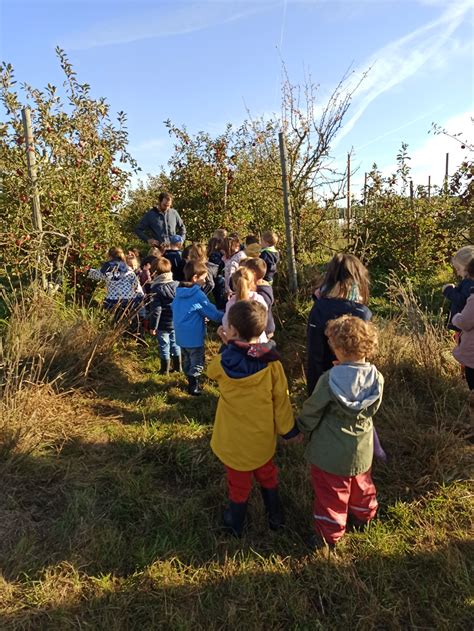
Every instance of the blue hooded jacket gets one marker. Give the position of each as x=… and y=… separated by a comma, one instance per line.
x=190, y=308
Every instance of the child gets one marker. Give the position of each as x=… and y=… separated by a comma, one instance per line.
x=233, y=255
x=162, y=294
x=133, y=262
x=197, y=252
x=190, y=309
x=344, y=290
x=245, y=285
x=253, y=408
x=124, y=293
x=458, y=295
x=464, y=321
x=338, y=418
x=215, y=265
x=270, y=254
x=173, y=254
x=264, y=289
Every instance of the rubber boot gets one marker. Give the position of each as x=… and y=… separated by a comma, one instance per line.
x=193, y=386
x=317, y=542
x=165, y=367
x=177, y=365
x=234, y=518
x=273, y=508
x=356, y=525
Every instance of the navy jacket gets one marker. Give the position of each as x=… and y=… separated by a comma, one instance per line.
x=266, y=291
x=458, y=297
x=271, y=257
x=177, y=264
x=161, y=297
x=319, y=355
x=159, y=225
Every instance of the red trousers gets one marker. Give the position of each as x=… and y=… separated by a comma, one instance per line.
x=239, y=483
x=335, y=496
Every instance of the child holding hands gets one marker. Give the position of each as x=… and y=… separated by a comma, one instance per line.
x=338, y=418
x=253, y=407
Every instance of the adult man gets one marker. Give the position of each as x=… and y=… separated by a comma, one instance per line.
x=160, y=222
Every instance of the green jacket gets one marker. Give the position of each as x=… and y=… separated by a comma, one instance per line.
x=338, y=418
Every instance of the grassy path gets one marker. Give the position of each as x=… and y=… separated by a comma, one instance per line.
x=112, y=521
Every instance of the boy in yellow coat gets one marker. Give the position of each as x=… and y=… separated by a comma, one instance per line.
x=253, y=407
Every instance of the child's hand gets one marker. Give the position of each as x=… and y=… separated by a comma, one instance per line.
x=296, y=439
x=153, y=332
x=447, y=285
x=222, y=334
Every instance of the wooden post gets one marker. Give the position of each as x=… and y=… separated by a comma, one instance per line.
x=290, y=246
x=411, y=195
x=348, y=209
x=365, y=189
x=31, y=161
x=36, y=217
x=446, y=174
x=429, y=186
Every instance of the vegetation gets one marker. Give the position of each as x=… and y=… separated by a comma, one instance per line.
x=111, y=497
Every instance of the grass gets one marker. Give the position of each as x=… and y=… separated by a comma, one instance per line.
x=111, y=500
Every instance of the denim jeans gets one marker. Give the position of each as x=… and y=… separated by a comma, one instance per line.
x=167, y=344
x=193, y=361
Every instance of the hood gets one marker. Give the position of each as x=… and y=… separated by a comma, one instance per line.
x=355, y=385
x=266, y=290
x=240, y=359
x=194, y=292
x=114, y=268
x=161, y=279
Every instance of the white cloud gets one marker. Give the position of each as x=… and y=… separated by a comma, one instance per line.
x=402, y=58
x=177, y=18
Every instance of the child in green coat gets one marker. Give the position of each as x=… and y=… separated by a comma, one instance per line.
x=338, y=418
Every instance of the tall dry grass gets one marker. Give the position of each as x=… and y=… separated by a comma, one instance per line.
x=49, y=350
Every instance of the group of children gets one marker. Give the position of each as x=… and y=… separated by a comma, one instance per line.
x=344, y=388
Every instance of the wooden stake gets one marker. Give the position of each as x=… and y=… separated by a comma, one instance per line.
x=290, y=246
x=31, y=161
x=429, y=186
x=348, y=209
x=36, y=216
x=446, y=174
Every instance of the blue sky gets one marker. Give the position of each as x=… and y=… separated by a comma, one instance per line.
x=204, y=63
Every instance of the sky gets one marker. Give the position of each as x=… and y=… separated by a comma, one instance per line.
x=207, y=63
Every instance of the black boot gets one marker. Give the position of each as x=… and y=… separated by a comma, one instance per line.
x=234, y=518
x=165, y=367
x=193, y=386
x=356, y=525
x=273, y=508
x=177, y=365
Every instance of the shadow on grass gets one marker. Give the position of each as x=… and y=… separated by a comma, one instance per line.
x=118, y=506
x=419, y=590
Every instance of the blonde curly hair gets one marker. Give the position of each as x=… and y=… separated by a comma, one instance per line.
x=352, y=336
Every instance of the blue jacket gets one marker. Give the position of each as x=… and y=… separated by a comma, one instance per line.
x=319, y=355
x=190, y=308
x=159, y=225
x=458, y=297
